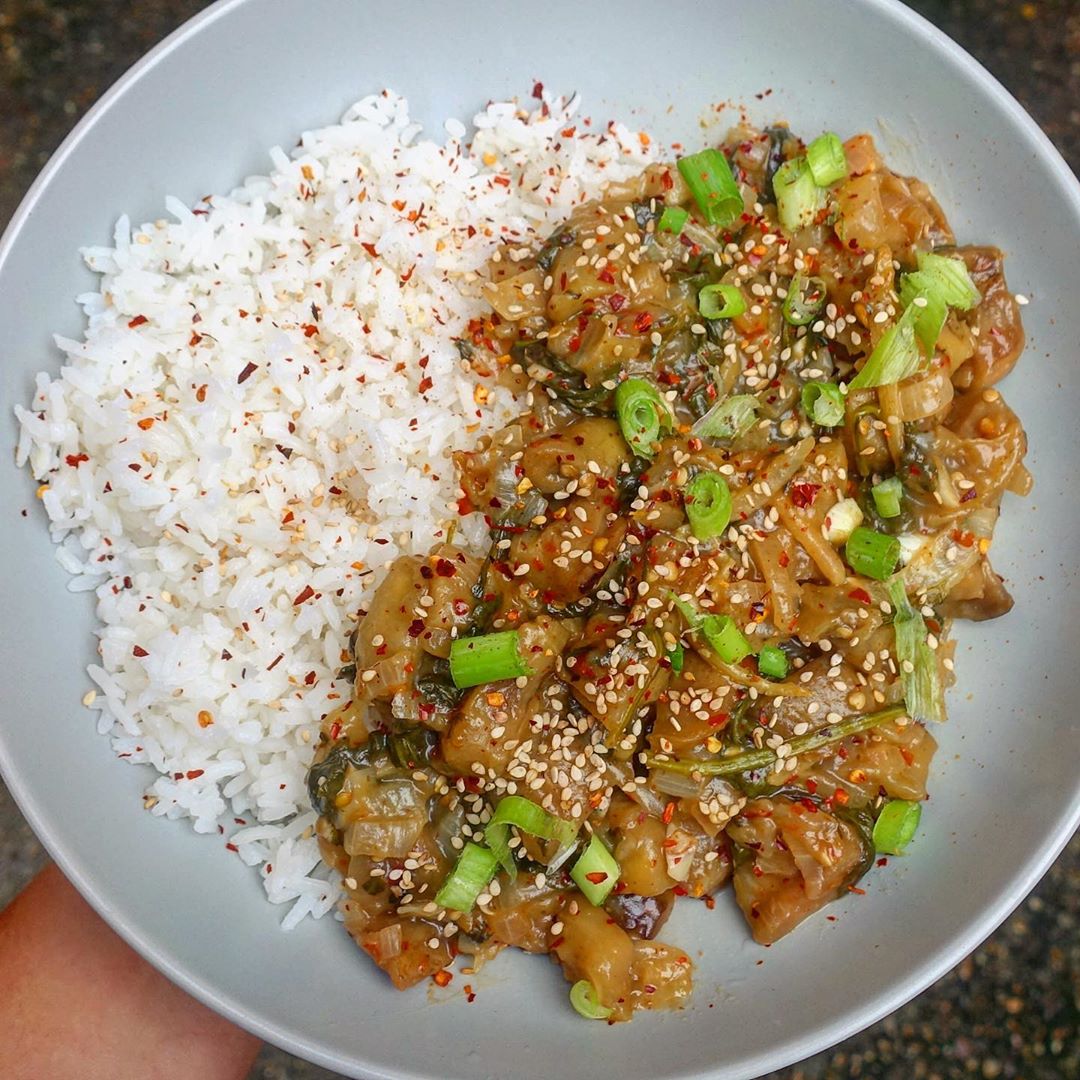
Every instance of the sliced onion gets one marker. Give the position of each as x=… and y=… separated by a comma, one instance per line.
x=387, y=942
x=924, y=395
x=680, y=785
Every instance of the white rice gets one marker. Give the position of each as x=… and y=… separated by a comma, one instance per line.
x=243, y=439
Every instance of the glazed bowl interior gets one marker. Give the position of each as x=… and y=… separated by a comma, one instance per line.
x=196, y=117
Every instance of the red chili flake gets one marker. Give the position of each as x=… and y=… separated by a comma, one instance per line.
x=803, y=495
x=200, y=394
x=606, y=276
x=139, y=651
x=445, y=568
x=616, y=301
x=642, y=321
x=442, y=978
x=680, y=890
x=426, y=383
x=75, y=460
x=194, y=774
x=335, y=729
x=460, y=607
x=861, y=595
x=305, y=594
x=856, y=890
x=370, y=249
x=274, y=663
x=194, y=339
x=667, y=181
x=504, y=180
x=416, y=628
x=883, y=862
x=249, y=370
x=146, y=423
x=137, y=321
x=907, y=755
x=811, y=786
x=310, y=330
x=284, y=451
x=232, y=847
x=538, y=90
x=575, y=343
x=669, y=813
x=964, y=539
x=968, y=495
x=840, y=796
x=465, y=506
x=309, y=678
x=597, y=877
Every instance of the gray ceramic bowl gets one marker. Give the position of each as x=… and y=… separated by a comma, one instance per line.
x=195, y=116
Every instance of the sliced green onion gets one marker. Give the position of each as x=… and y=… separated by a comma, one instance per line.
x=475, y=867
x=827, y=160
x=672, y=220
x=772, y=662
x=486, y=658
x=895, y=357
x=596, y=872
x=721, y=301
x=823, y=403
x=707, y=499
x=952, y=280
x=798, y=198
x=872, y=554
x=725, y=638
x=887, y=496
x=895, y=826
x=918, y=292
x=583, y=998
x=922, y=683
x=676, y=657
x=642, y=415
x=690, y=613
x=805, y=298
x=728, y=419
x=526, y=816
x=708, y=176
x=759, y=759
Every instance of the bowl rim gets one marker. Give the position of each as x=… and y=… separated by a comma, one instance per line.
x=778, y=1055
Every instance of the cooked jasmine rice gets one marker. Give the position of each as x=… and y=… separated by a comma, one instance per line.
x=260, y=417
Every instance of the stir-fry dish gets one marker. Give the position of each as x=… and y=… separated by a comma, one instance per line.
x=754, y=481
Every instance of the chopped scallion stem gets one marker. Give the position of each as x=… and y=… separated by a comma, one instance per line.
x=872, y=554
x=895, y=357
x=728, y=419
x=642, y=415
x=823, y=403
x=525, y=815
x=952, y=281
x=805, y=298
x=895, y=826
x=798, y=198
x=475, y=867
x=721, y=301
x=707, y=499
x=887, y=496
x=485, y=659
x=919, y=673
x=583, y=998
x=919, y=293
x=772, y=662
x=725, y=638
x=759, y=759
x=596, y=872
x=708, y=176
x=672, y=220
x=827, y=160
x=676, y=657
